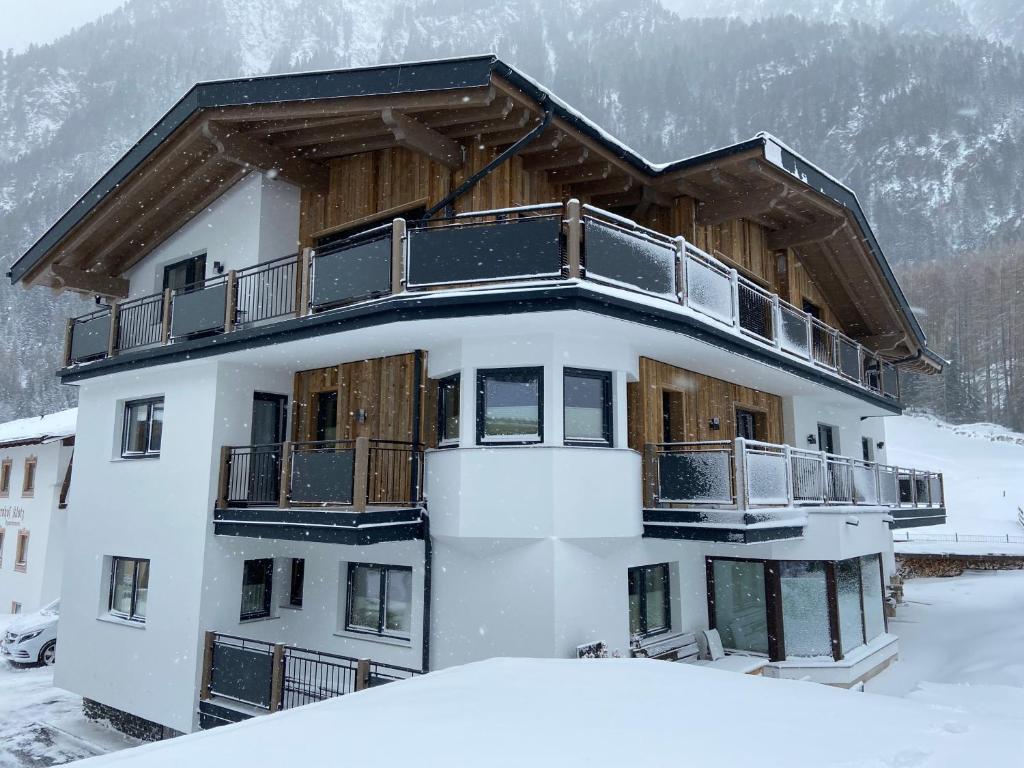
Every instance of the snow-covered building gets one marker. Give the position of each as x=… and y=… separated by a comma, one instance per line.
x=411, y=366
x=35, y=483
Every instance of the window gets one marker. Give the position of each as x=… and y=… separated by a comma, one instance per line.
x=867, y=449
x=1, y=546
x=327, y=416
x=748, y=424
x=587, y=407
x=510, y=405
x=379, y=599
x=15, y=607
x=5, y=477
x=143, y=428
x=28, y=482
x=812, y=309
x=650, y=609
x=739, y=605
x=297, y=577
x=805, y=608
x=129, y=588
x=21, y=552
x=826, y=438
x=257, y=588
x=185, y=273
x=448, y=410
x=673, y=417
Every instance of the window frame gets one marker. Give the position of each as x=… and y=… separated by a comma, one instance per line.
x=132, y=615
x=452, y=381
x=151, y=403
x=381, y=630
x=520, y=374
x=6, y=472
x=295, y=564
x=268, y=595
x=28, y=478
x=642, y=571
x=607, y=439
x=21, y=551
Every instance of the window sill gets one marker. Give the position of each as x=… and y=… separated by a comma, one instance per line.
x=111, y=619
x=369, y=637
x=285, y=607
x=136, y=457
x=20, y=568
x=257, y=619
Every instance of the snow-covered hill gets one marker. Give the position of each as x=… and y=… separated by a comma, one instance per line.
x=983, y=467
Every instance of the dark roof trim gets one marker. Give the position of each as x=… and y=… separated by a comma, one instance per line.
x=442, y=74
x=432, y=307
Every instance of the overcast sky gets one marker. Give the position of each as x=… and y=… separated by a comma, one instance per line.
x=42, y=21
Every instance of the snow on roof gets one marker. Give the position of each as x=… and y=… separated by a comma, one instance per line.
x=600, y=712
x=39, y=429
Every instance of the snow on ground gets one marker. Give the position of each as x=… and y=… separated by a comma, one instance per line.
x=981, y=464
x=600, y=712
x=41, y=725
x=960, y=645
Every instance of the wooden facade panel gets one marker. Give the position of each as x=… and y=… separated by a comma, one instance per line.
x=743, y=243
x=800, y=287
x=692, y=400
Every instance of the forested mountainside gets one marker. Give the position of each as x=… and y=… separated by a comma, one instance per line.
x=926, y=125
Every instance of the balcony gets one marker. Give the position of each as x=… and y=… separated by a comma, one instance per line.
x=525, y=246
x=747, y=491
x=358, y=491
x=244, y=677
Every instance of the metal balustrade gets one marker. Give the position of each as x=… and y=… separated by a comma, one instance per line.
x=744, y=474
x=538, y=242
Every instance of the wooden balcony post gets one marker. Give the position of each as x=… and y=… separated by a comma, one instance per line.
x=225, y=476
x=739, y=460
x=303, y=275
x=682, y=286
x=651, y=494
x=397, y=255
x=231, y=301
x=734, y=285
x=574, y=237
x=69, y=333
x=165, y=320
x=361, y=474
x=207, y=679
x=277, y=678
x=115, y=313
x=362, y=674
x=284, y=490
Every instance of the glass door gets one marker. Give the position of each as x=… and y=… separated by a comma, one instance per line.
x=269, y=420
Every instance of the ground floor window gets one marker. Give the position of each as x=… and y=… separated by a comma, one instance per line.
x=796, y=608
x=21, y=552
x=257, y=588
x=129, y=588
x=379, y=599
x=650, y=609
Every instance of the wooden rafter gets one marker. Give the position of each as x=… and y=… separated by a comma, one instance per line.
x=74, y=279
x=553, y=160
x=741, y=206
x=789, y=237
x=516, y=121
x=414, y=135
x=581, y=173
x=444, y=118
x=365, y=129
x=258, y=155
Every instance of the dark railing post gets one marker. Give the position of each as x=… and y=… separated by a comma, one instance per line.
x=397, y=254
x=362, y=674
x=225, y=477
x=165, y=317
x=277, y=678
x=207, y=679
x=286, y=473
x=231, y=301
x=115, y=313
x=361, y=474
x=650, y=476
x=682, y=286
x=574, y=237
x=69, y=335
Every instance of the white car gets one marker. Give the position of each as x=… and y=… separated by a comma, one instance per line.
x=32, y=638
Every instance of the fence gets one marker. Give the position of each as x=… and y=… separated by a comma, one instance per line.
x=957, y=538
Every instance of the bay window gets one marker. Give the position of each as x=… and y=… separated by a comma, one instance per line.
x=448, y=410
x=510, y=405
x=587, y=415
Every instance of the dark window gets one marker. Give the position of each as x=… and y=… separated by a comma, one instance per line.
x=326, y=415
x=448, y=410
x=746, y=424
x=21, y=552
x=650, y=609
x=28, y=485
x=5, y=477
x=867, y=449
x=143, y=428
x=510, y=405
x=812, y=309
x=826, y=438
x=296, y=583
x=673, y=417
x=257, y=588
x=185, y=273
x=379, y=599
x=588, y=407
x=129, y=588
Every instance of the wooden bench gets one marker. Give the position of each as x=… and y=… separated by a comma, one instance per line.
x=677, y=647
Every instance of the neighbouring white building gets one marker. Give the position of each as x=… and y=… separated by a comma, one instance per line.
x=35, y=482
x=412, y=366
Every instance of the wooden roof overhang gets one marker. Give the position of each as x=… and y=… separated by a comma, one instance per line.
x=294, y=125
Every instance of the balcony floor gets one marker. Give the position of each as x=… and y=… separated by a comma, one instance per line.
x=333, y=526
x=724, y=526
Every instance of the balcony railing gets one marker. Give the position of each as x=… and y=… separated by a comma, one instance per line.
x=351, y=474
x=747, y=474
x=538, y=242
x=274, y=676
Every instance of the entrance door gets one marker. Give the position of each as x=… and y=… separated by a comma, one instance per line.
x=269, y=419
x=746, y=424
x=826, y=438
